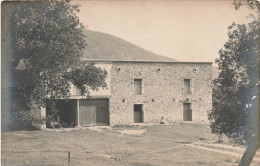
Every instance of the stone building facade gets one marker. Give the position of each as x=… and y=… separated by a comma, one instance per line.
x=148, y=92
x=163, y=91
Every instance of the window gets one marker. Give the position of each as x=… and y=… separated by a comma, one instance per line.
x=187, y=86
x=138, y=86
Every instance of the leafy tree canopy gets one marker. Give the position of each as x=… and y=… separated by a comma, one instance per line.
x=236, y=112
x=237, y=82
x=236, y=90
x=47, y=44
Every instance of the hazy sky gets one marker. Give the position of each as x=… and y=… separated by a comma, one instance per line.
x=184, y=30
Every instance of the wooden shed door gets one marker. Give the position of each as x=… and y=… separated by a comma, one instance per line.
x=94, y=112
x=138, y=113
x=187, y=112
x=87, y=115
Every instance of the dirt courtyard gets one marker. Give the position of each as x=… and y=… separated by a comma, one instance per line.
x=175, y=144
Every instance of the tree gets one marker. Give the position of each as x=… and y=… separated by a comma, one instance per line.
x=47, y=42
x=236, y=93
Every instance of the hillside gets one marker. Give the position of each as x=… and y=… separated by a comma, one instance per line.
x=102, y=46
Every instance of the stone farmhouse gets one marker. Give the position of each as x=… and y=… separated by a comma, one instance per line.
x=142, y=87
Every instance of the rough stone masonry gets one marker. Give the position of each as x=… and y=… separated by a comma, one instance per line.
x=162, y=94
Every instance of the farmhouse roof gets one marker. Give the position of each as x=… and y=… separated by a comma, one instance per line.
x=102, y=46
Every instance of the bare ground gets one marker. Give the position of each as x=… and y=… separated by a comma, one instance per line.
x=178, y=144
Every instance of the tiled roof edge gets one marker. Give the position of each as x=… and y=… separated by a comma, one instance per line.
x=143, y=61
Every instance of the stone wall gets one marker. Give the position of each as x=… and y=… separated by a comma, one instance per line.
x=162, y=91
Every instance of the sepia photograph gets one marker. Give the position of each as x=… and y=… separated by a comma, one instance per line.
x=130, y=83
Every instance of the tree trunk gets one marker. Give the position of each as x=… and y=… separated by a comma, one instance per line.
x=255, y=143
x=249, y=154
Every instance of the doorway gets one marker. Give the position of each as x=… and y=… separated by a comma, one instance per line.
x=187, y=112
x=138, y=113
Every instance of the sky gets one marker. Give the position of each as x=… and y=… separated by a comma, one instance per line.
x=186, y=30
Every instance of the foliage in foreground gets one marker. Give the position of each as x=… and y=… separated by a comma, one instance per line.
x=236, y=91
x=47, y=43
